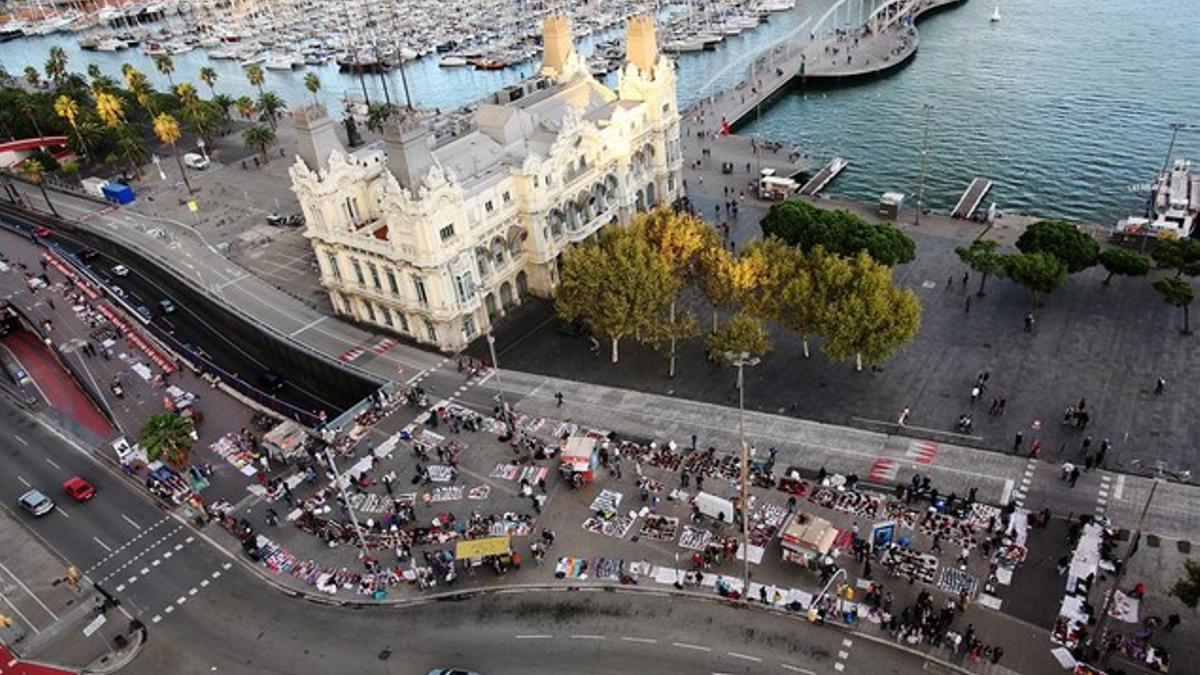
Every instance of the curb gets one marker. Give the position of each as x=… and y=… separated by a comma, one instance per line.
x=131, y=653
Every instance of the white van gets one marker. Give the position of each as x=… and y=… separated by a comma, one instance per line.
x=195, y=161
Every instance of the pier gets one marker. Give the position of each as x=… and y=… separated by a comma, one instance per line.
x=886, y=40
x=970, y=199
x=818, y=182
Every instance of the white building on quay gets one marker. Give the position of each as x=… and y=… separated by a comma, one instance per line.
x=434, y=237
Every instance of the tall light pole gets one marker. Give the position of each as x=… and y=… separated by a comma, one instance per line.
x=927, y=109
x=1175, y=127
x=740, y=361
x=491, y=340
x=337, y=478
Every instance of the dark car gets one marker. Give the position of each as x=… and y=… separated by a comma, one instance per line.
x=89, y=254
x=271, y=382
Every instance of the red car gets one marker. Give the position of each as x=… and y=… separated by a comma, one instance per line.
x=42, y=232
x=79, y=489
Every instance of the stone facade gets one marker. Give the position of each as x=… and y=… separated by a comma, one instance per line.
x=432, y=234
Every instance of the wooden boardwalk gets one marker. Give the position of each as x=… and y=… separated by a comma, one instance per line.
x=971, y=197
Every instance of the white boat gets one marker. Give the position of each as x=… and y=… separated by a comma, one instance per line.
x=110, y=44
x=452, y=61
x=283, y=61
x=996, y=14
x=250, y=59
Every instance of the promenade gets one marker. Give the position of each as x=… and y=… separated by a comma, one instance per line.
x=887, y=41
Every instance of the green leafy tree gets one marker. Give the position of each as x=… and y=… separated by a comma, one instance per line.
x=719, y=280
x=36, y=173
x=983, y=256
x=1077, y=249
x=165, y=65
x=868, y=317
x=680, y=239
x=208, y=76
x=801, y=224
x=1187, y=587
x=1181, y=255
x=804, y=299
x=1124, y=262
x=1177, y=293
x=167, y=436
x=270, y=105
x=617, y=283
x=259, y=138
x=1040, y=272
x=742, y=333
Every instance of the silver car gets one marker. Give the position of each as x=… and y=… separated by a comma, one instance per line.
x=36, y=503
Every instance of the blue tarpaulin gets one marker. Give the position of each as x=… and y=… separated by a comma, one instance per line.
x=118, y=193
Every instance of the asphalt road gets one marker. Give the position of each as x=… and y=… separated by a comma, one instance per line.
x=189, y=326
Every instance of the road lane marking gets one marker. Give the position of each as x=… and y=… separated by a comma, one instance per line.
x=216, y=574
x=169, y=609
x=24, y=482
x=182, y=599
x=31, y=593
x=64, y=515
x=132, y=579
x=843, y=654
x=796, y=669
x=22, y=440
x=587, y=637
x=839, y=666
x=534, y=637
x=1119, y=489
x=156, y=619
x=20, y=614
x=203, y=583
x=192, y=590
x=53, y=463
x=226, y=565
x=684, y=645
x=155, y=563
x=120, y=588
x=744, y=657
x=102, y=544
x=130, y=521
x=644, y=641
x=847, y=643
x=167, y=555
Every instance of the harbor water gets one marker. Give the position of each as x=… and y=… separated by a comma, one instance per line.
x=1064, y=104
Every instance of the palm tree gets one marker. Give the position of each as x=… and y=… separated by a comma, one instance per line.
x=245, y=106
x=110, y=108
x=131, y=148
x=27, y=108
x=166, y=128
x=204, y=120
x=259, y=138
x=188, y=98
x=56, y=65
x=270, y=104
x=32, y=76
x=66, y=108
x=378, y=115
x=313, y=84
x=36, y=173
x=93, y=72
x=209, y=76
x=255, y=75
x=168, y=436
x=224, y=102
x=165, y=65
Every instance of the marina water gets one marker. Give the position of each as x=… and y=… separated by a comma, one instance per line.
x=1064, y=104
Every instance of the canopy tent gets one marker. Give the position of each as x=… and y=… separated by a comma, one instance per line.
x=479, y=548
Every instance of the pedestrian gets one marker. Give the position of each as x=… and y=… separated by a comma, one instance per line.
x=1003, y=402
x=1104, y=446
x=1160, y=386
x=937, y=543
x=997, y=652
x=967, y=306
x=1088, y=462
x=558, y=399
x=965, y=277
x=1172, y=622
x=1087, y=443
x=683, y=479
x=963, y=557
x=974, y=394
x=1034, y=447
x=694, y=439
x=1074, y=477
x=950, y=281
x=1029, y=323
x=50, y=303
x=1020, y=438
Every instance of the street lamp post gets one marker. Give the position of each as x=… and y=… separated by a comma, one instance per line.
x=1098, y=634
x=742, y=360
x=927, y=108
x=337, y=478
x=491, y=340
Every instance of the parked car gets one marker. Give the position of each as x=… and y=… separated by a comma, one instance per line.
x=195, y=161
x=79, y=489
x=36, y=503
x=120, y=270
x=117, y=291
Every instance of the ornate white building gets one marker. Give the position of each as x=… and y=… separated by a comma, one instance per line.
x=433, y=237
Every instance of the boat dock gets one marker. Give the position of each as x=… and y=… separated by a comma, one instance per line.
x=818, y=182
x=971, y=198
